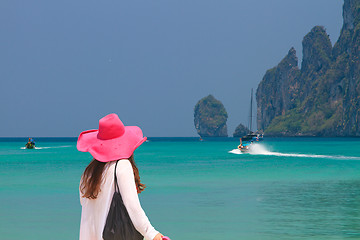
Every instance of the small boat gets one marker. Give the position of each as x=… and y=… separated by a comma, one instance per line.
x=30, y=144
x=253, y=137
x=244, y=147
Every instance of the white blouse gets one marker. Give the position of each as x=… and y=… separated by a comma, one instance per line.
x=94, y=211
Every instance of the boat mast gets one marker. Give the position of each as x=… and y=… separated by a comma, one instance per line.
x=251, y=103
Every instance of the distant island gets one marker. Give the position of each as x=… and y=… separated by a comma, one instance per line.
x=241, y=130
x=210, y=117
x=323, y=97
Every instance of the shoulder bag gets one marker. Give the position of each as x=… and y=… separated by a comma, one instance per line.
x=118, y=224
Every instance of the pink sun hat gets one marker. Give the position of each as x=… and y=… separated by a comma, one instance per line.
x=112, y=141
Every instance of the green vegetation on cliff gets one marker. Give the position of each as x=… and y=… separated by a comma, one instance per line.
x=210, y=117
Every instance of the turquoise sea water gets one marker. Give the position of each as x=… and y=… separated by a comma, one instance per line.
x=288, y=188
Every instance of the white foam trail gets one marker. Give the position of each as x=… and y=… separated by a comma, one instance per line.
x=258, y=149
x=235, y=151
x=47, y=147
x=52, y=147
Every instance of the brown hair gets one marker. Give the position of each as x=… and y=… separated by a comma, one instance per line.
x=93, y=176
x=139, y=186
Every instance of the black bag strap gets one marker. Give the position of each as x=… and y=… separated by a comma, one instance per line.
x=116, y=184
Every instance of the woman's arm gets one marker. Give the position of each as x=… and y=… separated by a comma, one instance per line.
x=126, y=181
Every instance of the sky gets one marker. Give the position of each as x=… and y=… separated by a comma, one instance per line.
x=65, y=64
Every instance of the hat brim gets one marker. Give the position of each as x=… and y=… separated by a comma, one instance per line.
x=111, y=149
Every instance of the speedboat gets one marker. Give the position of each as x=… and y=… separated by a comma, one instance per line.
x=30, y=144
x=244, y=147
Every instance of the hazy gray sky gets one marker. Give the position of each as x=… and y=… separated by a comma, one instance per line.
x=65, y=64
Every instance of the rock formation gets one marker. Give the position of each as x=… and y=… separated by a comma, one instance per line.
x=241, y=131
x=277, y=91
x=210, y=118
x=323, y=97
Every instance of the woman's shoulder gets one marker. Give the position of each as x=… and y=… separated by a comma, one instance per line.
x=123, y=165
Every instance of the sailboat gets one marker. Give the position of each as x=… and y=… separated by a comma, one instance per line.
x=247, y=140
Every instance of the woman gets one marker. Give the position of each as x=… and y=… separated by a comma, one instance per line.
x=111, y=142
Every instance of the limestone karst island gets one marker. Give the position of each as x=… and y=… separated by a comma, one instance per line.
x=322, y=98
x=210, y=118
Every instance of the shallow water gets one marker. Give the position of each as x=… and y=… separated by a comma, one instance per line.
x=286, y=188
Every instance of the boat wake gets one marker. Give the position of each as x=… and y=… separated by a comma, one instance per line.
x=258, y=149
x=235, y=151
x=47, y=147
